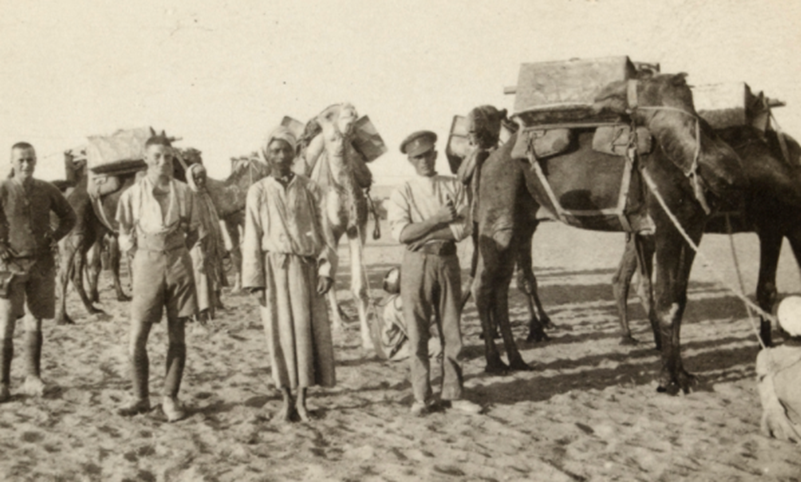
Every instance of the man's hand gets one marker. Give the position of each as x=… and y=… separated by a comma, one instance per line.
x=418, y=243
x=324, y=284
x=446, y=213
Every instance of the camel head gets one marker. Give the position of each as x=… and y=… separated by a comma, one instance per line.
x=664, y=103
x=484, y=126
x=339, y=118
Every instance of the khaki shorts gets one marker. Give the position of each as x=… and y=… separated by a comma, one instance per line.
x=162, y=279
x=35, y=289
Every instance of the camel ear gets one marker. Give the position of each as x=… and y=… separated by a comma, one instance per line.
x=152, y=132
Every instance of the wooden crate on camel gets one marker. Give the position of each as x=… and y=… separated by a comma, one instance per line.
x=554, y=110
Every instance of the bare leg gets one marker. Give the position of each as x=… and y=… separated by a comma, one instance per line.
x=300, y=405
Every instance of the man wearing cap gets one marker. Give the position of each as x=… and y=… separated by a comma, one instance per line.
x=429, y=215
x=158, y=220
x=27, y=240
x=778, y=370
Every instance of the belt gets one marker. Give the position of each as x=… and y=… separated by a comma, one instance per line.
x=438, y=248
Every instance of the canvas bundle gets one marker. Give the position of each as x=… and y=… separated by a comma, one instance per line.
x=123, y=150
x=541, y=143
x=732, y=104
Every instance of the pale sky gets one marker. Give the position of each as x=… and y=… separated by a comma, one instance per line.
x=222, y=74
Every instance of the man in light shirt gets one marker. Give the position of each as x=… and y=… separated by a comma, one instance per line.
x=429, y=214
x=159, y=222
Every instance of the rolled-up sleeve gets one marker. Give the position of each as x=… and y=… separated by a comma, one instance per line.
x=462, y=226
x=398, y=213
x=252, y=256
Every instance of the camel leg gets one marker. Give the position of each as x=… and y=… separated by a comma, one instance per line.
x=621, y=282
x=500, y=315
x=770, y=245
x=359, y=285
x=93, y=269
x=80, y=261
x=114, y=258
x=674, y=259
x=489, y=273
x=527, y=283
x=68, y=248
x=645, y=290
x=336, y=313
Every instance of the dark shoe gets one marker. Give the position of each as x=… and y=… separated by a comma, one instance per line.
x=134, y=408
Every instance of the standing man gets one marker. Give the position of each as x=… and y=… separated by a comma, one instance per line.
x=27, y=241
x=429, y=215
x=208, y=252
x=287, y=261
x=158, y=223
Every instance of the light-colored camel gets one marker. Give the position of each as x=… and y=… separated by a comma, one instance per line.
x=329, y=159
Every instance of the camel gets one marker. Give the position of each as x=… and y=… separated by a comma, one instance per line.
x=330, y=160
x=771, y=208
x=511, y=191
x=97, y=217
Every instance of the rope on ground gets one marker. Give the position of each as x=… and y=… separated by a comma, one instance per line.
x=738, y=293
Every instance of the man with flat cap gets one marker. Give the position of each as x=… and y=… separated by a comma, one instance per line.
x=429, y=215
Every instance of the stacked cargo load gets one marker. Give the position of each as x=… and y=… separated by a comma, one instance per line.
x=733, y=104
x=554, y=108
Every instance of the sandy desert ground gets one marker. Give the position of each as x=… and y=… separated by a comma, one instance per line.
x=589, y=410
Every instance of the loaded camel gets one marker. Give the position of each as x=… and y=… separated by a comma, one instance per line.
x=771, y=207
x=510, y=191
x=329, y=159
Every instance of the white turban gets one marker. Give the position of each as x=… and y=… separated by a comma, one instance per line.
x=190, y=179
x=279, y=133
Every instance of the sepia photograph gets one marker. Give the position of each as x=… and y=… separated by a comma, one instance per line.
x=420, y=240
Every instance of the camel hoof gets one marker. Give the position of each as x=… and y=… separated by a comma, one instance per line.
x=64, y=320
x=123, y=297
x=518, y=365
x=537, y=335
x=671, y=384
x=546, y=323
x=628, y=340
x=96, y=311
x=496, y=367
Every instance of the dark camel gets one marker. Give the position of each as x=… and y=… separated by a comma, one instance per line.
x=771, y=207
x=510, y=193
